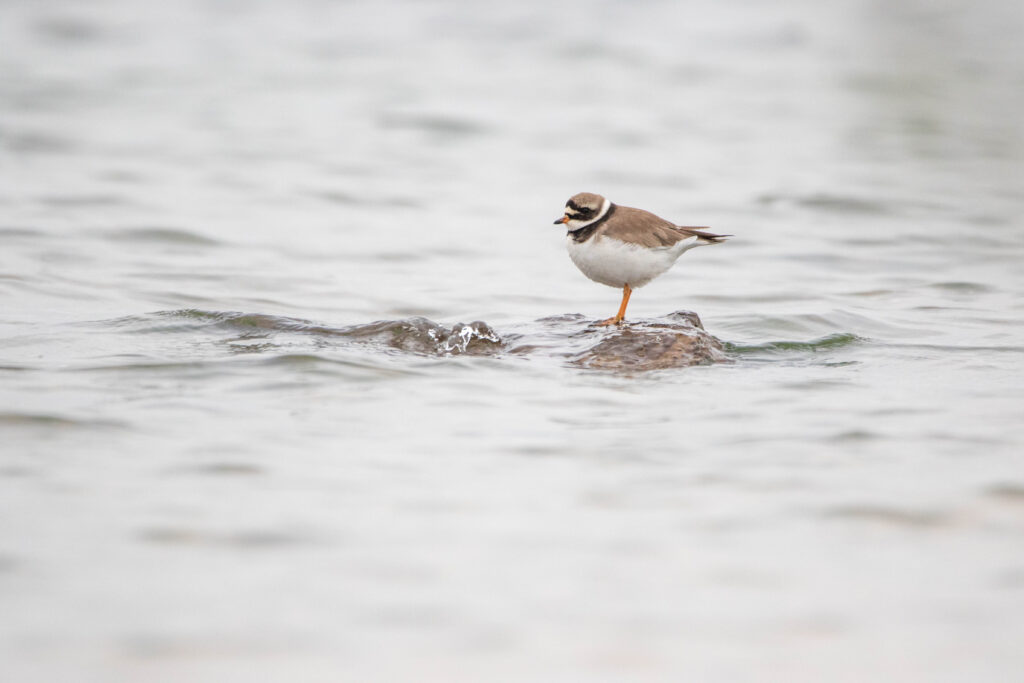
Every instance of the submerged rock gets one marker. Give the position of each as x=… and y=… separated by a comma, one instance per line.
x=420, y=335
x=677, y=341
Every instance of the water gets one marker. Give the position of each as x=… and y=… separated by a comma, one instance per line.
x=211, y=471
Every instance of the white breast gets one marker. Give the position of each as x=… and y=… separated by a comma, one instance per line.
x=616, y=263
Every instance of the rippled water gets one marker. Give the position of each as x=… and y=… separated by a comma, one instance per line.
x=290, y=352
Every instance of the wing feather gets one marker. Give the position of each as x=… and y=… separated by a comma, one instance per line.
x=648, y=230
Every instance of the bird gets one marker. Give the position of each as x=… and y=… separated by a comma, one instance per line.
x=620, y=246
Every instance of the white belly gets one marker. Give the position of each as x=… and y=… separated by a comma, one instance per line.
x=615, y=263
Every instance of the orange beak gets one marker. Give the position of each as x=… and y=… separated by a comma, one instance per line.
x=563, y=219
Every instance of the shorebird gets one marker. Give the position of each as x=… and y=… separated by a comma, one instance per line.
x=620, y=246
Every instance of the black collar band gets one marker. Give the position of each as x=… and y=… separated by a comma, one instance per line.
x=587, y=231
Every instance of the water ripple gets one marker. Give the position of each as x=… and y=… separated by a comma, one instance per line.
x=16, y=419
x=829, y=342
x=160, y=234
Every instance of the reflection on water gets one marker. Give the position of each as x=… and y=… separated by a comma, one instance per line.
x=245, y=434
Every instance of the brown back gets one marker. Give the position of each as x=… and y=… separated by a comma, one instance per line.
x=645, y=229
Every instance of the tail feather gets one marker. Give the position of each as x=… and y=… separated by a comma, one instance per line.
x=704, y=236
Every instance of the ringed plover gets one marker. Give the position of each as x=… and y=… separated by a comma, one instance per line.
x=624, y=247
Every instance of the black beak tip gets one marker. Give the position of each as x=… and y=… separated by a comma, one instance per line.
x=560, y=220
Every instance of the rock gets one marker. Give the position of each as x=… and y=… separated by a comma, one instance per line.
x=676, y=342
x=420, y=335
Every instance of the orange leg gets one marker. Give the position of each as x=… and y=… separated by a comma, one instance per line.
x=621, y=315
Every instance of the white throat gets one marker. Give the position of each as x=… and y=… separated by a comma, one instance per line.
x=576, y=225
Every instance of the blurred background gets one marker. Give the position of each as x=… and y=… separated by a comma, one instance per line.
x=202, y=480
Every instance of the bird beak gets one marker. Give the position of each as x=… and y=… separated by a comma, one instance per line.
x=563, y=219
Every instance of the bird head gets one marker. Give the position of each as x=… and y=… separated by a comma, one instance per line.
x=582, y=209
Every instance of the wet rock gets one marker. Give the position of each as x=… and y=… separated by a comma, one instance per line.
x=420, y=335
x=677, y=341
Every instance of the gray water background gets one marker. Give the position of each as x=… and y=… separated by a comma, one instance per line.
x=201, y=480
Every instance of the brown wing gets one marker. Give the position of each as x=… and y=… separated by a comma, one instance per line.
x=644, y=228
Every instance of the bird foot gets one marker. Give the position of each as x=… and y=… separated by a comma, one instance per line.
x=611, y=321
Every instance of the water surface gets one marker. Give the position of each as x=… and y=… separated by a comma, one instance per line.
x=206, y=476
